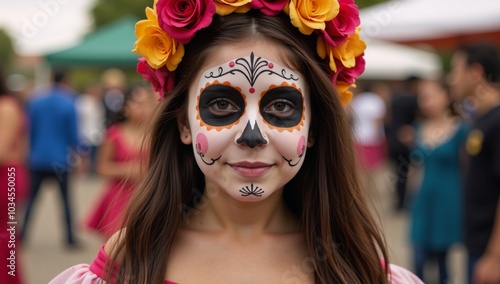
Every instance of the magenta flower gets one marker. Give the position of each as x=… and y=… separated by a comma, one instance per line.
x=181, y=19
x=161, y=80
x=349, y=75
x=338, y=29
x=269, y=7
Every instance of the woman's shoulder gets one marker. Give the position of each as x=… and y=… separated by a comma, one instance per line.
x=113, y=242
x=114, y=133
x=90, y=273
x=10, y=105
x=84, y=273
x=78, y=274
x=113, y=129
x=400, y=275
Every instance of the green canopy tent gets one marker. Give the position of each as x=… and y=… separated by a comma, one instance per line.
x=107, y=46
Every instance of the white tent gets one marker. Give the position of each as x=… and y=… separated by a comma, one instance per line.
x=392, y=61
x=412, y=20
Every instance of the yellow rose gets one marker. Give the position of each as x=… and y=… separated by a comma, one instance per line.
x=310, y=15
x=155, y=45
x=324, y=49
x=344, y=93
x=349, y=50
x=226, y=7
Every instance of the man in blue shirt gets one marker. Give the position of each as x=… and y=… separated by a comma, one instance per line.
x=53, y=143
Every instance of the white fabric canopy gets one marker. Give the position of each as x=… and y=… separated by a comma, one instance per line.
x=392, y=61
x=409, y=20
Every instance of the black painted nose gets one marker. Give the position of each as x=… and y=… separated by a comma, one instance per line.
x=251, y=137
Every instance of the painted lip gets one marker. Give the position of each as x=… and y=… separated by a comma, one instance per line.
x=251, y=169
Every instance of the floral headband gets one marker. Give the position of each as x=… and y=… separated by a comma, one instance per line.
x=173, y=23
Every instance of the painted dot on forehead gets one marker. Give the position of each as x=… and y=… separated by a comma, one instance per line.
x=231, y=64
x=251, y=90
x=270, y=65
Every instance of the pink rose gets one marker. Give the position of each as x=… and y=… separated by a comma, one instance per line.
x=181, y=19
x=161, y=80
x=338, y=29
x=269, y=7
x=349, y=75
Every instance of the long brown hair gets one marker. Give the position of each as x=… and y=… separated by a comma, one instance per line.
x=343, y=240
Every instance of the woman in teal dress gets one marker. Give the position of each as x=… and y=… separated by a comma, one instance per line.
x=436, y=211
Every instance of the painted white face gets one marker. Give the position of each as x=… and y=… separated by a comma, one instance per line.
x=249, y=122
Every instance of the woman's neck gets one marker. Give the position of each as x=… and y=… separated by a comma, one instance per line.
x=439, y=119
x=243, y=219
x=136, y=127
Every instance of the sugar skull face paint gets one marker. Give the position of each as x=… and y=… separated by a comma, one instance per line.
x=249, y=117
x=202, y=148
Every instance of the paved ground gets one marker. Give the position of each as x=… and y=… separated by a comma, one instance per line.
x=44, y=255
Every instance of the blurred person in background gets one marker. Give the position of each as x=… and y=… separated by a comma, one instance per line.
x=368, y=113
x=13, y=179
x=436, y=213
x=114, y=85
x=53, y=146
x=20, y=86
x=474, y=79
x=91, y=121
x=402, y=112
x=121, y=158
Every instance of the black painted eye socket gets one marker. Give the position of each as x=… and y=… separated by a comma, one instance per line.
x=282, y=106
x=220, y=105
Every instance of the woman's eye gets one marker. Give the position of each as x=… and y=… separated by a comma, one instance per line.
x=222, y=106
x=280, y=107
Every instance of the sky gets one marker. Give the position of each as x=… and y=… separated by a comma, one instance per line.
x=39, y=27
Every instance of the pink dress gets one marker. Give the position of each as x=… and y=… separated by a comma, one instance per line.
x=107, y=215
x=14, y=187
x=95, y=273
x=14, y=180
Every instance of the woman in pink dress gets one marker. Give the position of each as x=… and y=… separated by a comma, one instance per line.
x=121, y=159
x=251, y=175
x=14, y=179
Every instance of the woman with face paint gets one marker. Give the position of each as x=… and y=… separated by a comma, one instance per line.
x=251, y=174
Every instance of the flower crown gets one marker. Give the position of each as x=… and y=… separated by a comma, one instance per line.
x=173, y=23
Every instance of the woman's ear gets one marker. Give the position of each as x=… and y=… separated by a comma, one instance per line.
x=310, y=139
x=184, y=131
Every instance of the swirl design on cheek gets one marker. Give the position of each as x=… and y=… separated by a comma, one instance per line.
x=247, y=191
x=202, y=147
x=301, y=149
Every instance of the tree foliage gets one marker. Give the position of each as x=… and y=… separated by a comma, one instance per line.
x=106, y=11
x=6, y=50
x=365, y=3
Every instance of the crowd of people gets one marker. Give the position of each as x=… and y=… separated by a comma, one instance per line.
x=440, y=140
x=219, y=175
x=55, y=133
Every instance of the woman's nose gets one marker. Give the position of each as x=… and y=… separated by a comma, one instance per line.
x=251, y=136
